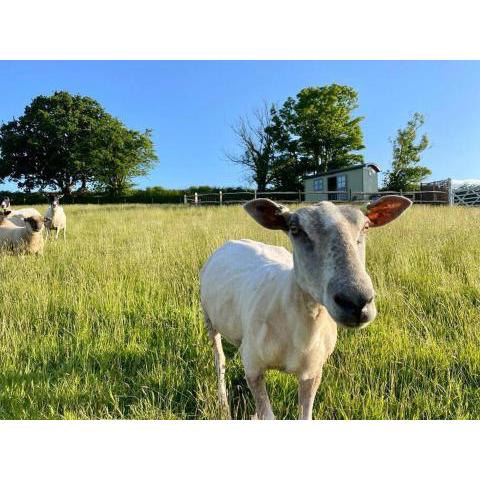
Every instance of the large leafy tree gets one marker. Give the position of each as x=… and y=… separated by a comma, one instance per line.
x=406, y=173
x=316, y=132
x=129, y=154
x=68, y=142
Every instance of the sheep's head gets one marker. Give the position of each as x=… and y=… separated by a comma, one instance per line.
x=35, y=223
x=54, y=199
x=5, y=203
x=329, y=251
x=4, y=214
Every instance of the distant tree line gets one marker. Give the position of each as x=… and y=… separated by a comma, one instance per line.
x=315, y=132
x=70, y=144
x=147, y=195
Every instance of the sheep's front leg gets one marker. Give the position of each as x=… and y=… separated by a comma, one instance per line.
x=257, y=386
x=220, y=367
x=307, y=390
x=57, y=231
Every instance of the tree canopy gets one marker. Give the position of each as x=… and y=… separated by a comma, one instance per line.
x=313, y=132
x=406, y=173
x=69, y=142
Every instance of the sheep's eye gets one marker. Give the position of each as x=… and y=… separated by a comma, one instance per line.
x=294, y=229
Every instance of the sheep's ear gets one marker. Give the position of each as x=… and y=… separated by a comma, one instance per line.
x=268, y=214
x=386, y=209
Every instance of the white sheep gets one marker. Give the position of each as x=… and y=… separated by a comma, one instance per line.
x=282, y=309
x=18, y=215
x=55, y=217
x=21, y=239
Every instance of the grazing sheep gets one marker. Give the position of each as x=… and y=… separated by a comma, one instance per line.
x=17, y=216
x=22, y=240
x=282, y=309
x=55, y=217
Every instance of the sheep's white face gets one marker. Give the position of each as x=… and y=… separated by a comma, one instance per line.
x=329, y=260
x=329, y=251
x=54, y=200
x=5, y=203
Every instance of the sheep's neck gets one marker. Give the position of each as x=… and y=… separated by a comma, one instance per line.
x=310, y=311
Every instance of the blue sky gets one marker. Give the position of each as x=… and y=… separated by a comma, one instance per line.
x=190, y=105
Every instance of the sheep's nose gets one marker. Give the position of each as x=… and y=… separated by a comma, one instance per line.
x=353, y=305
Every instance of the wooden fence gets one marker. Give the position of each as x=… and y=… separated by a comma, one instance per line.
x=226, y=198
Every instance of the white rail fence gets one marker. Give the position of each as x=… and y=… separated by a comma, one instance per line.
x=226, y=198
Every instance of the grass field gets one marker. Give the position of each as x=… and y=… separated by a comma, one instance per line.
x=108, y=324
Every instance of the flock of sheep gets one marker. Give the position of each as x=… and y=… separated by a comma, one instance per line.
x=280, y=309
x=21, y=231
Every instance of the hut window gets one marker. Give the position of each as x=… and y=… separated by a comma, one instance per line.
x=342, y=183
x=318, y=185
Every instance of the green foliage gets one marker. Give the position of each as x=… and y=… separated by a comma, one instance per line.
x=315, y=132
x=111, y=324
x=406, y=173
x=66, y=141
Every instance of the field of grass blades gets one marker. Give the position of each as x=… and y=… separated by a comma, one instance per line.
x=108, y=324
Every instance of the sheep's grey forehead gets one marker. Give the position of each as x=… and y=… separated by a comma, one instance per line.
x=321, y=217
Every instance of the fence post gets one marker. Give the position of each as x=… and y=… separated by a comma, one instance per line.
x=185, y=198
x=255, y=194
x=451, y=199
x=349, y=194
x=221, y=198
x=196, y=198
x=299, y=196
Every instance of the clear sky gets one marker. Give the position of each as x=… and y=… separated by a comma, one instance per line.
x=190, y=105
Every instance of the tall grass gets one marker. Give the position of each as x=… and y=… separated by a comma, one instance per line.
x=108, y=324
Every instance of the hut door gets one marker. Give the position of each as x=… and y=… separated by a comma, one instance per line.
x=332, y=187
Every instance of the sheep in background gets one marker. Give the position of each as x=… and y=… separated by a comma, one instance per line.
x=6, y=221
x=282, y=309
x=55, y=217
x=5, y=203
x=22, y=240
x=17, y=216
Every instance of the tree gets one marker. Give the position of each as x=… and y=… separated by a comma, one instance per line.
x=328, y=133
x=288, y=165
x=256, y=146
x=406, y=173
x=316, y=132
x=66, y=141
x=129, y=154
